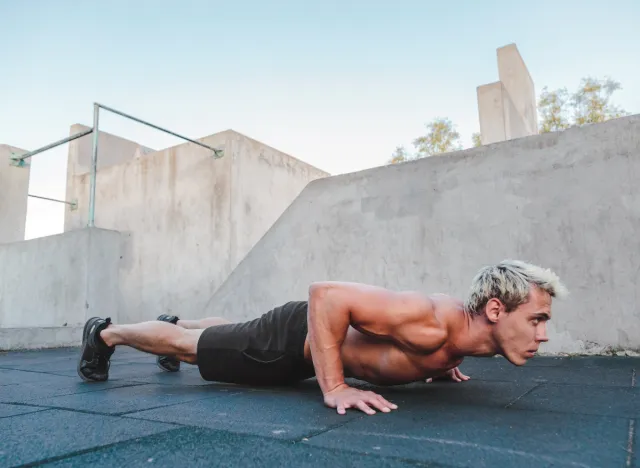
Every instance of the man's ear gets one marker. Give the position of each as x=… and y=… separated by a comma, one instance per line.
x=493, y=309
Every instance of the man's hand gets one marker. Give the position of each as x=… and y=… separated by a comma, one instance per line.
x=344, y=397
x=453, y=374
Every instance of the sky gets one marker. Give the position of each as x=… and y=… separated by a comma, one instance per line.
x=337, y=84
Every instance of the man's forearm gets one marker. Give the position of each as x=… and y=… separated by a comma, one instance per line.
x=328, y=325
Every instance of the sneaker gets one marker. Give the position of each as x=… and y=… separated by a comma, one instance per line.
x=93, y=365
x=168, y=363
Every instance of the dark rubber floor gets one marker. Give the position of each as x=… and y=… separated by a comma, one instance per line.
x=574, y=412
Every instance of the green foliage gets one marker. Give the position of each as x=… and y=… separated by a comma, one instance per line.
x=591, y=103
x=399, y=155
x=440, y=138
x=476, y=139
x=552, y=108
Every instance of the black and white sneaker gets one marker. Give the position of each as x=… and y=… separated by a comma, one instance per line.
x=168, y=363
x=93, y=365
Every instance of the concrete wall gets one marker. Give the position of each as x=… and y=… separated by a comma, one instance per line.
x=568, y=201
x=187, y=218
x=14, y=188
x=49, y=286
x=112, y=150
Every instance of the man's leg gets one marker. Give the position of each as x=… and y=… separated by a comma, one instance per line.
x=157, y=338
x=171, y=364
x=100, y=337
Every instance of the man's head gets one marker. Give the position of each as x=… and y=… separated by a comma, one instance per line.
x=514, y=298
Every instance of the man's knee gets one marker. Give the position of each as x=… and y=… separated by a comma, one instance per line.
x=187, y=344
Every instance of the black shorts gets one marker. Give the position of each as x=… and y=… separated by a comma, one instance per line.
x=268, y=350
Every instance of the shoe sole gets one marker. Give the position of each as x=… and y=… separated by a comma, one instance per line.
x=84, y=346
x=164, y=368
x=163, y=318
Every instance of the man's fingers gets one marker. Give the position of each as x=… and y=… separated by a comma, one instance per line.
x=364, y=407
x=461, y=375
x=388, y=403
x=341, y=409
x=380, y=403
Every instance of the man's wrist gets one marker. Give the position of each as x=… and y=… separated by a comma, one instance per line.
x=333, y=388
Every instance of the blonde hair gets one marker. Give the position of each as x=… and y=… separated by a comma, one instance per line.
x=510, y=282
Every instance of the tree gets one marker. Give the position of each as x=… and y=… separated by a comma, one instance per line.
x=553, y=110
x=476, y=139
x=589, y=104
x=441, y=138
x=399, y=155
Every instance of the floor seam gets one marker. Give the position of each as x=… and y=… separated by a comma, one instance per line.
x=630, y=442
x=310, y=435
x=126, y=413
x=93, y=449
x=523, y=395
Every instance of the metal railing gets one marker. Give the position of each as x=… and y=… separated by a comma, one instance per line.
x=19, y=161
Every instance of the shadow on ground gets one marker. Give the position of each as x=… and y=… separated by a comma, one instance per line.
x=579, y=412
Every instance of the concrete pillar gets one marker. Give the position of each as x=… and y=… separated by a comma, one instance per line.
x=507, y=108
x=14, y=190
x=515, y=77
x=491, y=113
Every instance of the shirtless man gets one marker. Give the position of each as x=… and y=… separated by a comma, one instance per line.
x=349, y=330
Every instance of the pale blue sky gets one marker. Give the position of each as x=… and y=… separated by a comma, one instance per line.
x=337, y=84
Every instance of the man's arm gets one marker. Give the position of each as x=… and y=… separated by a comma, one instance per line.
x=405, y=318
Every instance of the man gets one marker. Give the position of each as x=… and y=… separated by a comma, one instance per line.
x=349, y=330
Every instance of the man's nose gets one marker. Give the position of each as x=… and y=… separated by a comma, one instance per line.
x=542, y=334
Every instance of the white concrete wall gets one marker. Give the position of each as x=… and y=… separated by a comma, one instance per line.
x=49, y=286
x=112, y=150
x=569, y=201
x=264, y=183
x=187, y=218
x=14, y=188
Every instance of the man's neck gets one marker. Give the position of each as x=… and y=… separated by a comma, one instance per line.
x=473, y=338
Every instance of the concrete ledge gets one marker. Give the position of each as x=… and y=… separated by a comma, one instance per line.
x=39, y=338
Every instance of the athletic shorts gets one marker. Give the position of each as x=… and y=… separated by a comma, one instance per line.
x=268, y=350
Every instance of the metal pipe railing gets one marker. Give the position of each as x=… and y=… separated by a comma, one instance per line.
x=19, y=159
x=94, y=168
x=217, y=152
x=73, y=205
x=94, y=160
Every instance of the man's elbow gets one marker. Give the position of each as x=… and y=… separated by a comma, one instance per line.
x=318, y=289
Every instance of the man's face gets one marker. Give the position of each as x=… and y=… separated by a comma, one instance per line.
x=520, y=332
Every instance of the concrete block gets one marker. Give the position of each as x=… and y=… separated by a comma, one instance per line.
x=515, y=77
x=499, y=119
x=12, y=339
x=49, y=286
x=491, y=113
x=14, y=190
